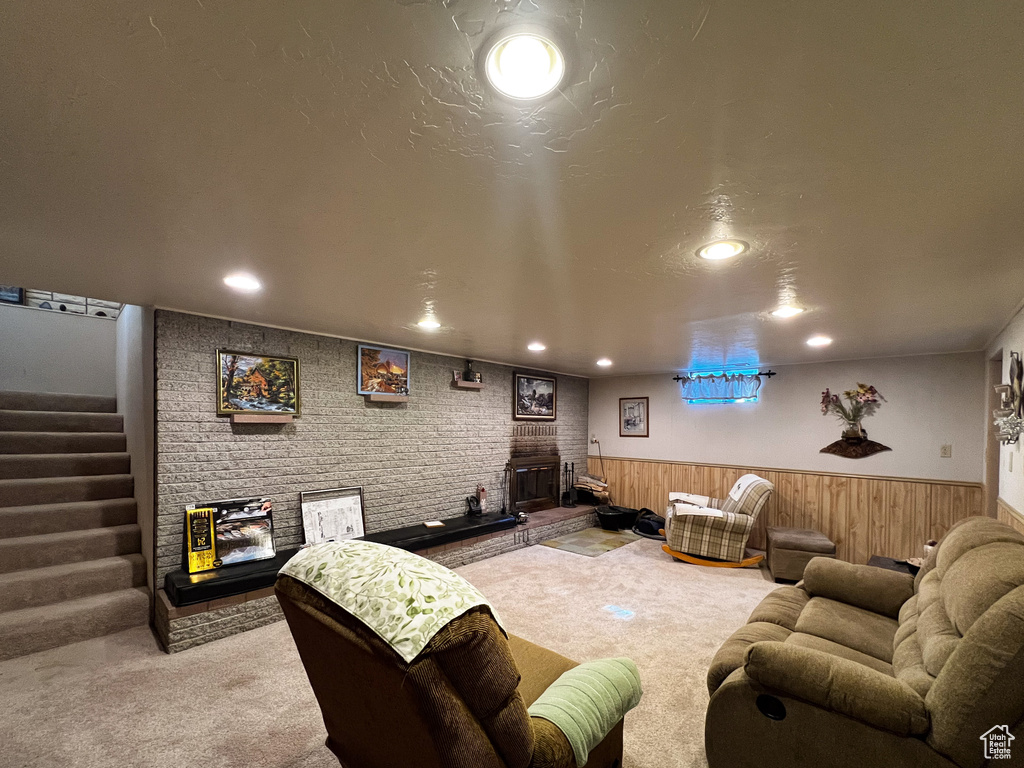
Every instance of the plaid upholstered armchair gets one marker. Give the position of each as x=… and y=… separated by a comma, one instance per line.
x=706, y=531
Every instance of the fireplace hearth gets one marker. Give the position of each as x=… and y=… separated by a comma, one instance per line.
x=534, y=484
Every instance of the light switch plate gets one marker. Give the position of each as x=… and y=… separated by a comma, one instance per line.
x=946, y=452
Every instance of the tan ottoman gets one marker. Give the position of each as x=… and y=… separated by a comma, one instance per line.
x=790, y=549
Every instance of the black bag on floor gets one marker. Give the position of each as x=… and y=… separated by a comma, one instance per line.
x=648, y=524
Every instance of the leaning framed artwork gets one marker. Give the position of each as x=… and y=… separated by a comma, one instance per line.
x=383, y=371
x=634, y=415
x=335, y=514
x=534, y=398
x=10, y=294
x=251, y=383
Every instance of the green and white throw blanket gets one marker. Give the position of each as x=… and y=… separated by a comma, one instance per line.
x=587, y=701
x=402, y=597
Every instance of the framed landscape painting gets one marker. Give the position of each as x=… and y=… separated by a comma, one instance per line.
x=383, y=371
x=634, y=413
x=249, y=383
x=534, y=397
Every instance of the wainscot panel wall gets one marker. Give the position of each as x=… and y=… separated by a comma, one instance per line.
x=864, y=516
x=1009, y=515
x=416, y=461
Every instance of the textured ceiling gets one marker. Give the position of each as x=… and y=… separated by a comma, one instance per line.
x=347, y=153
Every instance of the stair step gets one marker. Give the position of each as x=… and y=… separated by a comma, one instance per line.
x=62, y=442
x=59, y=421
x=39, y=519
x=35, y=629
x=70, y=581
x=13, y=466
x=54, y=401
x=23, y=552
x=53, y=490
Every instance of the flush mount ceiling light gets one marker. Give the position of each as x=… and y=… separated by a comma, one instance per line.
x=524, y=65
x=722, y=249
x=604, y=362
x=536, y=347
x=429, y=323
x=819, y=341
x=788, y=310
x=242, y=281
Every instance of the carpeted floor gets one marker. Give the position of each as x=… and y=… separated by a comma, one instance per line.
x=244, y=702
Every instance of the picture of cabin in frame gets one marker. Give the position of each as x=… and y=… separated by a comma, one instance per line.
x=249, y=383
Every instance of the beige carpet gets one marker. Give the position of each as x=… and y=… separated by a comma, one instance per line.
x=244, y=702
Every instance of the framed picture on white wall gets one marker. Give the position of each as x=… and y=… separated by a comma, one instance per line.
x=634, y=415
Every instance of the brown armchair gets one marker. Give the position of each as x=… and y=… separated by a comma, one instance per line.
x=460, y=703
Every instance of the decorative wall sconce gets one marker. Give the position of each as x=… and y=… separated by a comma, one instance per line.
x=1007, y=418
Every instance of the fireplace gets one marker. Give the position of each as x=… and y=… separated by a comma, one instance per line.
x=535, y=483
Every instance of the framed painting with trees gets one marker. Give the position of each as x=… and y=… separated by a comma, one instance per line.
x=249, y=383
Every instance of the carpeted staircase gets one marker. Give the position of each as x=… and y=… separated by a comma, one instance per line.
x=70, y=562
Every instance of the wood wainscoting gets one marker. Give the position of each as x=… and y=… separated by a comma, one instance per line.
x=1009, y=515
x=863, y=515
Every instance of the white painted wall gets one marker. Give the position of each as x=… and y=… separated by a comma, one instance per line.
x=1011, y=481
x=44, y=351
x=932, y=400
x=135, y=401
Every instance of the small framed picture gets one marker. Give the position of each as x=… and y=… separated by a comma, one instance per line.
x=383, y=371
x=534, y=397
x=335, y=514
x=9, y=294
x=634, y=413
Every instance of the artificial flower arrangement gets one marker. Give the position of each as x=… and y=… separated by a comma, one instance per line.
x=861, y=403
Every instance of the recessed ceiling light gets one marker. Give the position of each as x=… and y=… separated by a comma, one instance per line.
x=242, y=281
x=604, y=362
x=524, y=65
x=536, y=347
x=788, y=310
x=819, y=341
x=722, y=249
x=429, y=324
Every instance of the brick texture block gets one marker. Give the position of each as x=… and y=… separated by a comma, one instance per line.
x=416, y=461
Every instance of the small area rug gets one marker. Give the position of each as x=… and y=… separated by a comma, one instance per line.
x=592, y=541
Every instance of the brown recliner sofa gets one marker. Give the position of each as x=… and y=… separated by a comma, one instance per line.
x=860, y=666
x=461, y=703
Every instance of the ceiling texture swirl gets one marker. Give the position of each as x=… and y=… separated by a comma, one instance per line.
x=352, y=156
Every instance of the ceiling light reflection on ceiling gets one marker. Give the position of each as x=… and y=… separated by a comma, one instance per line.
x=536, y=347
x=788, y=310
x=819, y=341
x=242, y=281
x=525, y=66
x=722, y=249
x=604, y=362
x=429, y=323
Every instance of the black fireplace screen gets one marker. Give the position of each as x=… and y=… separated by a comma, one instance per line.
x=535, y=483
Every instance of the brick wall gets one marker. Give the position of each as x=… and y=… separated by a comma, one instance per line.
x=416, y=461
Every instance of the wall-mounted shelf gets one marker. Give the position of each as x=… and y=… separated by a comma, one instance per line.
x=262, y=418
x=388, y=398
x=468, y=384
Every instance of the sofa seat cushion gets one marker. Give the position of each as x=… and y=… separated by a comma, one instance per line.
x=782, y=607
x=733, y=651
x=827, y=646
x=856, y=628
x=538, y=667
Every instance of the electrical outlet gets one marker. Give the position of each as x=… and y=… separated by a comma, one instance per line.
x=946, y=452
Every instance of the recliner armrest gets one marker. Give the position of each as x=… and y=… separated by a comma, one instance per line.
x=689, y=498
x=874, y=589
x=839, y=685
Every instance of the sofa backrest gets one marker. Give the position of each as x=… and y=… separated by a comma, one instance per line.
x=455, y=705
x=960, y=643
